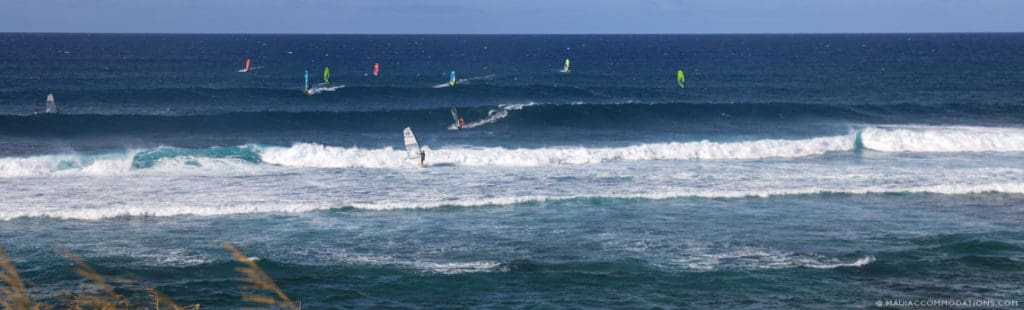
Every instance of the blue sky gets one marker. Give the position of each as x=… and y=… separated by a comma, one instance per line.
x=525, y=16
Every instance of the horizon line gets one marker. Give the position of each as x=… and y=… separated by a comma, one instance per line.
x=516, y=34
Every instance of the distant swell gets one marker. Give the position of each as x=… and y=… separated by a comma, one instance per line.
x=355, y=117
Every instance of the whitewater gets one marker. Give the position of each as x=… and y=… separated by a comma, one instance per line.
x=883, y=139
x=852, y=168
x=304, y=177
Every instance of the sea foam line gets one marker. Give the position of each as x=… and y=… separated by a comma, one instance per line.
x=1009, y=188
x=321, y=156
x=220, y=208
x=897, y=139
x=881, y=139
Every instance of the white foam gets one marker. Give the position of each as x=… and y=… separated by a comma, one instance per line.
x=195, y=165
x=321, y=156
x=427, y=264
x=457, y=267
x=494, y=115
x=1010, y=188
x=320, y=89
x=159, y=210
x=711, y=258
x=467, y=80
x=897, y=139
x=863, y=261
x=316, y=155
x=251, y=69
x=884, y=139
x=478, y=78
x=65, y=164
x=943, y=139
x=394, y=205
x=113, y=164
x=175, y=186
x=211, y=204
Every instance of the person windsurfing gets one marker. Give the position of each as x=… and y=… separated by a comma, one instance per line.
x=458, y=120
x=51, y=107
x=308, y=90
x=412, y=147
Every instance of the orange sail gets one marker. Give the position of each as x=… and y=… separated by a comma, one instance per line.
x=376, y=69
x=246, y=65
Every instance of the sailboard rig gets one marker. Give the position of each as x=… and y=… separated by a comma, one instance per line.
x=566, y=68
x=412, y=147
x=451, y=79
x=376, y=69
x=307, y=89
x=681, y=79
x=51, y=107
x=247, y=63
x=459, y=122
x=327, y=75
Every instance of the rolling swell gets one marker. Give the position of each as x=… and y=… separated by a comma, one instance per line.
x=518, y=117
x=213, y=97
x=885, y=139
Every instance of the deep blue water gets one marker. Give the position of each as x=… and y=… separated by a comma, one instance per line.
x=791, y=171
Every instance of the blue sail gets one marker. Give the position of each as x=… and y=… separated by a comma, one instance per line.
x=451, y=80
x=307, y=79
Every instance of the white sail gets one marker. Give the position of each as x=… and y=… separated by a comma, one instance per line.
x=51, y=107
x=412, y=147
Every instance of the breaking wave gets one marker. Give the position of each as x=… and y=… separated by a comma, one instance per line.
x=902, y=139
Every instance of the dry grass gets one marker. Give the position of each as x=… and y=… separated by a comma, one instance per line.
x=99, y=292
x=13, y=294
x=259, y=284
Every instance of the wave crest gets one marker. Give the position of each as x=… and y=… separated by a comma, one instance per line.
x=316, y=155
x=313, y=155
x=933, y=139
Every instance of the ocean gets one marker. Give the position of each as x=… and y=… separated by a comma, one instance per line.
x=806, y=171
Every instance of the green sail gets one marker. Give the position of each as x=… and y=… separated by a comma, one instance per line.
x=681, y=79
x=327, y=75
